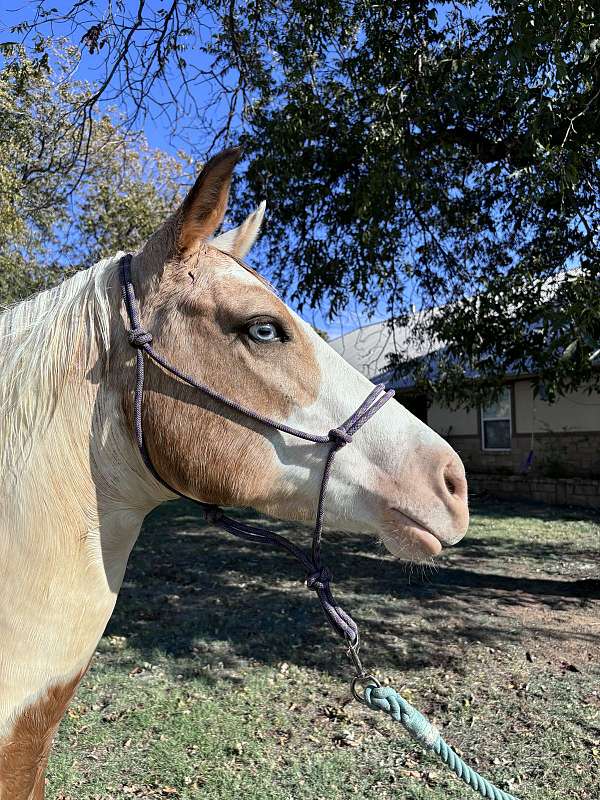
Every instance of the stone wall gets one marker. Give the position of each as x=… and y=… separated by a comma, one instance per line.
x=556, y=455
x=565, y=468
x=558, y=491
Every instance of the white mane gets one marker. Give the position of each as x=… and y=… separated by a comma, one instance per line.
x=38, y=340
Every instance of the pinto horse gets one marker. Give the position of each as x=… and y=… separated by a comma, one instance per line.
x=75, y=489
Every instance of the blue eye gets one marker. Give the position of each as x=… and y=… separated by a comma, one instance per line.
x=264, y=332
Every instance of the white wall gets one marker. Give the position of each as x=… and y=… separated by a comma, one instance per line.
x=454, y=423
x=576, y=411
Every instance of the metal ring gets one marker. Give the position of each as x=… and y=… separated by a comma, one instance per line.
x=362, y=680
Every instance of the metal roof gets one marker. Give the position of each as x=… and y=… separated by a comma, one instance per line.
x=368, y=347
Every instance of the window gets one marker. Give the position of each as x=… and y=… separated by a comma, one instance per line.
x=496, y=423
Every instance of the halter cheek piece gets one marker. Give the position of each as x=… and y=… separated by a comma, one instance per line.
x=318, y=577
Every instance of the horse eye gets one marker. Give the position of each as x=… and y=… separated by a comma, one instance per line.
x=264, y=332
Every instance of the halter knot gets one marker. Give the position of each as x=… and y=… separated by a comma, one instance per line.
x=319, y=579
x=339, y=436
x=138, y=337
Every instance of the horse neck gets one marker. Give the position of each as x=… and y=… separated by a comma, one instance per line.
x=68, y=522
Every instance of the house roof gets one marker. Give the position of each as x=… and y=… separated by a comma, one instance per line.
x=368, y=347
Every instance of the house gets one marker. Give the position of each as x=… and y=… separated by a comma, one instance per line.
x=520, y=445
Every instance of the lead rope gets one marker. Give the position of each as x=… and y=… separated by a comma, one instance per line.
x=318, y=577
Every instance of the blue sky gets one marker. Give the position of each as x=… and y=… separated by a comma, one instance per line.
x=159, y=134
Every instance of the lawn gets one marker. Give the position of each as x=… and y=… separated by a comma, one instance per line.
x=217, y=677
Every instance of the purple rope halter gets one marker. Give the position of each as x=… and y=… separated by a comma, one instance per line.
x=318, y=577
x=365, y=687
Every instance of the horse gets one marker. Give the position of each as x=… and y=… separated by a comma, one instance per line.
x=75, y=489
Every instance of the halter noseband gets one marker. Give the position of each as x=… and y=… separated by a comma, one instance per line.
x=317, y=576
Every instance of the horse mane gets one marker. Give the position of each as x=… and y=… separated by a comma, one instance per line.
x=39, y=339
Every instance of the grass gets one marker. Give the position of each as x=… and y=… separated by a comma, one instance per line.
x=218, y=679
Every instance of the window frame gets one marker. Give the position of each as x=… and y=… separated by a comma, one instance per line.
x=483, y=418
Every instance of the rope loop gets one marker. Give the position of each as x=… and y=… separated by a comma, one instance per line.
x=387, y=699
x=320, y=579
x=138, y=337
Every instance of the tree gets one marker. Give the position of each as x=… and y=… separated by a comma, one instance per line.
x=410, y=152
x=63, y=207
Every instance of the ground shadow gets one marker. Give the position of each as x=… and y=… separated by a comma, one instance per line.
x=189, y=586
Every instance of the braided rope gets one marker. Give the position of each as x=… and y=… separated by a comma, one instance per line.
x=387, y=699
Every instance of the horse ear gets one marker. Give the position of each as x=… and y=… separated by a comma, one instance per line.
x=203, y=209
x=239, y=240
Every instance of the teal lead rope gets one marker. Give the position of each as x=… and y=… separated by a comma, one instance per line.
x=384, y=698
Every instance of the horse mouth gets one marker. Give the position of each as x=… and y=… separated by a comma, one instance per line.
x=407, y=537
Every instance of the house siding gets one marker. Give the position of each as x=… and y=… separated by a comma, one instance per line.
x=564, y=436
x=453, y=422
x=559, y=491
x=555, y=455
x=577, y=411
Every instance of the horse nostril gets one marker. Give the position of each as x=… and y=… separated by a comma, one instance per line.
x=452, y=487
x=454, y=482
